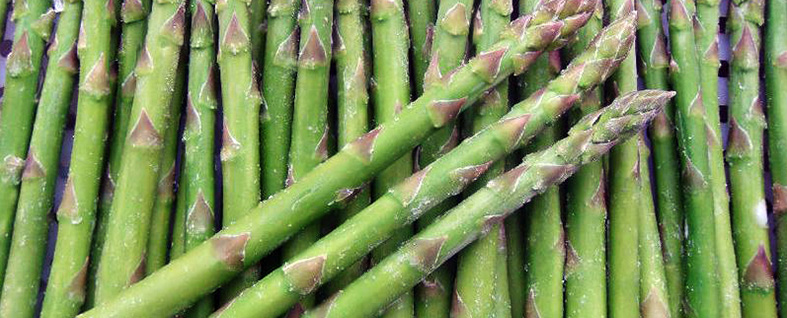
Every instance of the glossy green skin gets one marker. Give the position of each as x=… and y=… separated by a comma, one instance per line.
x=129, y=220
x=775, y=81
x=652, y=53
x=471, y=218
x=36, y=195
x=214, y=262
x=422, y=16
x=745, y=162
x=702, y=277
x=19, y=109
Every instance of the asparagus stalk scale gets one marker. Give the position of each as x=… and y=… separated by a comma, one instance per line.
x=300, y=205
x=33, y=20
x=36, y=195
x=413, y=197
x=655, y=61
x=479, y=287
x=122, y=259
x=745, y=162
x=701, y=278
x=775, y=81
x=422, y=16
x=586, y=142
x=278, y=87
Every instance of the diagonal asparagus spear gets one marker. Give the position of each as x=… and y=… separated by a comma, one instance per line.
x=243, y=244
x=587, y=141
x=413, y=197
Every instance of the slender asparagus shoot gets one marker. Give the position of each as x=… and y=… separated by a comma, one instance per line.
x=503, y=289
x=226, y=253
x=515, y=246
x=33, y=21
x=36, y=194
x=422, y=16
x=586, y=142
x=257, y=29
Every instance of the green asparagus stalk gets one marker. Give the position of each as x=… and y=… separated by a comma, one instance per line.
x=158, y=241
x=745, y=162
x=36, y=196
x=478, y=288
x=123, y=257
x=587, y=141
x=655, y=61
x=515, y=246
x=413, y=197
x=390, y=47
x=702, y=292
x=775, y=82
x=216, y=261
x=352, y=81
x=278, y=87
x=257, y=27
x=422, y=16
x=178, y=245
x=33, y=21
x=502, y=289
x=67, y=282
x=586, y=211
x=654, y=299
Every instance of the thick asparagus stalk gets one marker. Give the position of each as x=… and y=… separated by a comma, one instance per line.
x=257, y=28
x=390, y=46
x=33, y=20
x=36, y=195
x=479, y=289
x=278, y=87
x=587, y=141
x=655, y=62
x=515, y=246
x=352, y=81
x=702, y=278
x=413, y=197
x=775, y=82
x=241, y=99
x=422, y=16
x=586, y=212
x=216, y=261
x=502, y=289
x=122, y=259
x=745, y=162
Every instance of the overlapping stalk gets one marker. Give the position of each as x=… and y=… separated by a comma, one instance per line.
x=775, y=81
x=422, y=16
x=587, y=141
x=36, y=194
x=516, y=264
x=123, y=257
x=257, y=28
x=352, y=70
x=33, y=23
x=448, y=175
x=278, y=86
x=655, y=61
x=702, y=277
x=243, y=244
x=479, y=280
x=586, y=211
x=745, y=162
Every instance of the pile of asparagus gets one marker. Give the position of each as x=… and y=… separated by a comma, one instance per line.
x=329, y=158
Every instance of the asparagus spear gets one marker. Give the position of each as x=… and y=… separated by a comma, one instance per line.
x=745, y=162
x=655, y=61
x=586, y=142
x=257, y=28
x=413, y=197
x=586, y=211
x=654, y=299
x=702, y=278
x=502, y=289
x=36, y=196
x=300, y=205
x=422, y=16
x=390, y=46
x=278, y=87
x=33, y=20
x=478, y=289
x=775, y=81
x=122, y=259
x=516, y=264
x=352, y=81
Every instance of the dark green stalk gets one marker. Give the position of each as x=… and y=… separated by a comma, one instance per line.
x=257, y=27
x=502, y=289
x=33, y=24
x=422, y=15
x=515, y=239
x=178, y=244
x=36, y=195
